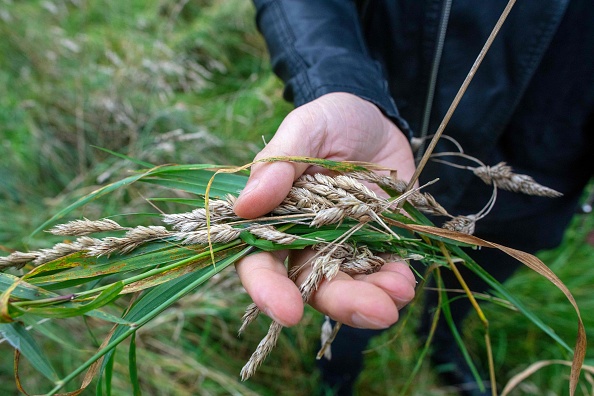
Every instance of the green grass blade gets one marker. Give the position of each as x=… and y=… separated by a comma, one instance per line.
x=125, y=157
x=116, y=265
x=17, y=335
x=132, y=367
x=23, y=290
x=504, y=293
x=51, y=330
x=88, y=198
x=151, y=305
x=196, y=202
x=190, y=265
x=109, y=373
x=59, y=311
x=224, y=183
x=190, y=187
x=447, y=315
x=99, y=314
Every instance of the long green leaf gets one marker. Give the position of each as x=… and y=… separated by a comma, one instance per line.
x=17, y=335
x=447, y=315
x=171, y=171
x=59, y=311
x=23, y=290
x=152, y=304
x=99, y=314
x=123, y=156
x=124, y=263
x=86, y=199
x=109, y=373
x=132, y=367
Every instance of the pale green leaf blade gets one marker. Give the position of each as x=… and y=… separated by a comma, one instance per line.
x=151, y=305
x=23, y=290
x=132, y=367
x=124, y=156
x=69, y=310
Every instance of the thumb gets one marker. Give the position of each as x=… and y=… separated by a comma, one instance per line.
x=270, y=182
x=268, y=185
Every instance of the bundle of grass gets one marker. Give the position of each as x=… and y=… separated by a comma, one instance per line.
x=340, y=217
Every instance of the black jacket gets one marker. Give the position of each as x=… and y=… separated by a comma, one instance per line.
x=530, y=104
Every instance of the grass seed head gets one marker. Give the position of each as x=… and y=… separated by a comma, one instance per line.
x=503, y=176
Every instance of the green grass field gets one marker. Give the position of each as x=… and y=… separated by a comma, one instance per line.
x=174, y=81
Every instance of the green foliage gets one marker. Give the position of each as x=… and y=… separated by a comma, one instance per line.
x=142, y=78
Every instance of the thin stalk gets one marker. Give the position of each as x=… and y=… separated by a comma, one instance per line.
x=433, y=328
x=460, y=93
x=329, y=341
x=479, y=312
x=48, y=301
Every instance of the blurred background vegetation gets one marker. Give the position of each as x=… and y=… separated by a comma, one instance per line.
x=188, y=81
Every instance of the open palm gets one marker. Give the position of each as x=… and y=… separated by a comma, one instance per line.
x=340, y=127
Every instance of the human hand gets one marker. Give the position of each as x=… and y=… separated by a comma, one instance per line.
x=340, y=127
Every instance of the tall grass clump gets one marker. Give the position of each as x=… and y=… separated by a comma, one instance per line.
x=338, y=216
x=142, y=78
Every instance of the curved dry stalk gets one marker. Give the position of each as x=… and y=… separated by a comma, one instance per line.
x=417, y=142
x=460, y=93
x=479, y=312
x=435, y=157
x=533, y=368
x=466, y=223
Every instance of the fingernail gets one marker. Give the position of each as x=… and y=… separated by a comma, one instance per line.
x=250, y=186
x=268, y=313
x=364, y=322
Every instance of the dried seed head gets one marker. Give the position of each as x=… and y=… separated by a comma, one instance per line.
x=354, y=208
x=251, y=313
x=57, y=251
x=341, y=251
x=219, y=210
x=186, y=222
x=425, y=202
x=290, y=209
x=85, y=227
x=464, y=224
x=314, y=278
x=85, y=242
x=17, y=259
x=390, y=182
x=364, y=262
x=219, y=233
x=328, y=216
x=503, y=177
x=358, y=189
x=272, y=234
x=331, y=267
x=133, y=239
x=310, y=196
x=262, y=351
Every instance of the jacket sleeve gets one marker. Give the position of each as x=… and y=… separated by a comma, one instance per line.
x=316, y=47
